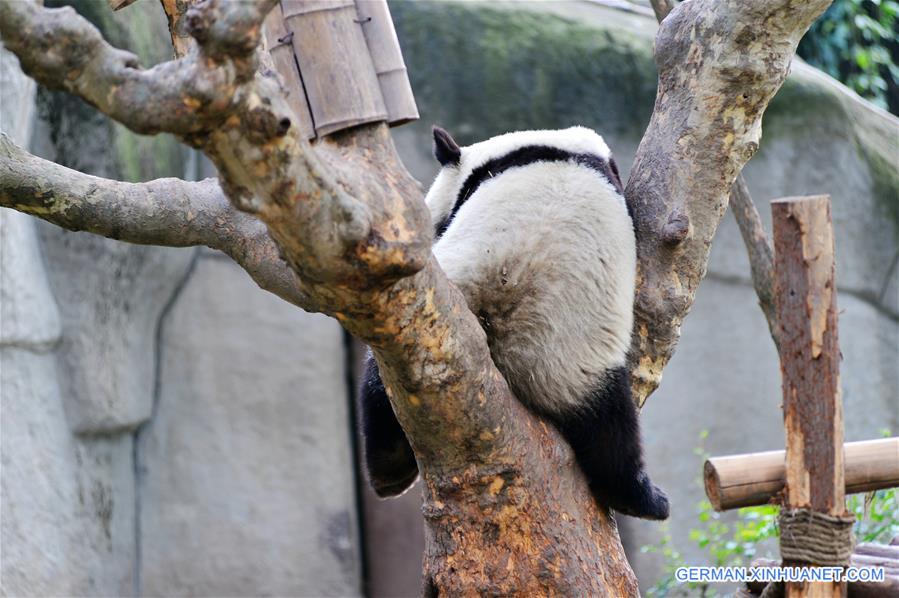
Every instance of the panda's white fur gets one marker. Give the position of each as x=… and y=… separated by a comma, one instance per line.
x=442, y=194
x=533, y=229
x=545, y=256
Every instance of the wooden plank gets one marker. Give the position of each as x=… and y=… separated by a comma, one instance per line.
x=384, y=46
x=335, y=65
x=753, y=479
x=806, y=299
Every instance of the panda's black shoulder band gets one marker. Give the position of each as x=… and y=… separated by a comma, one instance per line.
x=529, y=154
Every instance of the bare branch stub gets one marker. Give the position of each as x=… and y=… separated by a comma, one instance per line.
x=719, y=63
x=662, y=8
x=176, y=13
x=760, y=251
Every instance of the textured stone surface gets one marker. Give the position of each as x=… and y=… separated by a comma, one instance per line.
x=67, y=525
x=67, y=516
x=110, y=311
x=246, y=468
x=28, y=314
x=29, y=317
x=111, y=307
x=67, y=521
x=834, y=144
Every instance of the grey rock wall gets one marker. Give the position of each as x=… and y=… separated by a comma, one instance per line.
x=65, y=501
x=246, y=471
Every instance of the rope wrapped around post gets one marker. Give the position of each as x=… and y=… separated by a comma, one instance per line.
x=807, y=536
x=816, y=538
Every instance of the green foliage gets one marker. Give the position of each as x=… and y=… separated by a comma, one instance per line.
x=876, y=514
x=753, y=533
x=856, y=41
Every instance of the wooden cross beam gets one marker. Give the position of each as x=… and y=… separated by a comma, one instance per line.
x=753, y=479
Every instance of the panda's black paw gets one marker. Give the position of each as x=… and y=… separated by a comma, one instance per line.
x=646, y=501
x=656, y=506
x=391, y=465
x=390, y=488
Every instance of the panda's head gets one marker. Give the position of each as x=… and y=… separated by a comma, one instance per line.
x=463, y=169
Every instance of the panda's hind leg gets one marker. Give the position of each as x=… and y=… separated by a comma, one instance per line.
x=388, y=457
x=605, y=437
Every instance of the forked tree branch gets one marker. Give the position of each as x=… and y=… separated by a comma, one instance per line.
x=345, y=215
x=719, y=63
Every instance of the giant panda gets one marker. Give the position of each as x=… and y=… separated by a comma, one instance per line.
x=533, y=228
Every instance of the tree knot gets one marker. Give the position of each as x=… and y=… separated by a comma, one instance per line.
x=677, y=229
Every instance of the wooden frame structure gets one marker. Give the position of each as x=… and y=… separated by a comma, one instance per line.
x=816, y=470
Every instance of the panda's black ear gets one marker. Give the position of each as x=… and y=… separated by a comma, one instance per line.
x=616, y=177
x=446, y=150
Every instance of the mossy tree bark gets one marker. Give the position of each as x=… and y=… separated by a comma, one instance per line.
x=339, y=227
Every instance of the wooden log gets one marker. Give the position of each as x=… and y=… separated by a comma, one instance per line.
x=335, y=65
x=754, y=479
x=278, y=43
x=806, y=299
x=384, y=46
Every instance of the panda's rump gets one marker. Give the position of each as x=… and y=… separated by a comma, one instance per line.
x=545, y=258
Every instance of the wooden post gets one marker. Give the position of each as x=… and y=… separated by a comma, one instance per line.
x=806, y=297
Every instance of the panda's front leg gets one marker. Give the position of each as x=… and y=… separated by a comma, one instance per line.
x=605, y=437
x=388, y=457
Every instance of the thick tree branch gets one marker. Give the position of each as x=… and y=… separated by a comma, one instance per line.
x=757, y=242
x=720, y=63
x=165, y=212
x=62, y=50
